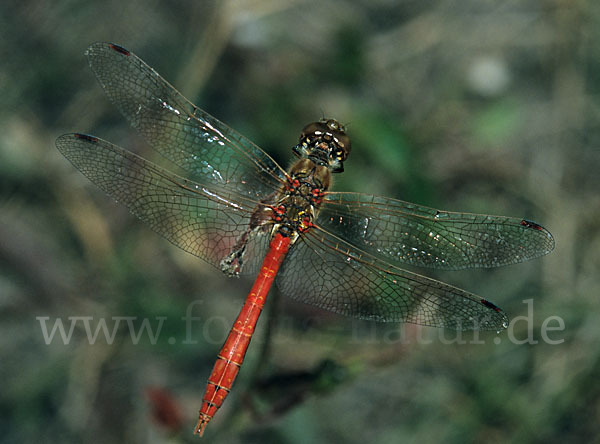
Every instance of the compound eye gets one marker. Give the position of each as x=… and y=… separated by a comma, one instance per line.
x=313, y=128
x=344, y=145
x=334, y=125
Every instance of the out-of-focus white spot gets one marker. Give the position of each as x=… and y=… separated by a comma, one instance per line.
x=488, y=75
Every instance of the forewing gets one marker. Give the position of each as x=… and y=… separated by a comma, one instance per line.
x=208, y=150
x=206, y=223
x=402, y=232
x=329, y=273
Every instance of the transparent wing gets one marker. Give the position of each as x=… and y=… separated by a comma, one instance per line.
x=206, y=223
x=209, y=151
x=403, y=232
x=329, y=273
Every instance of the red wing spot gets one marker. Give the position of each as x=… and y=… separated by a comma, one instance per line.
x=529, y=224
x=488, y=304
x=86, y=137
x=119, y=49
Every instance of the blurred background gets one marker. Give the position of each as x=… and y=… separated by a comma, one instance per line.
x=469, y=105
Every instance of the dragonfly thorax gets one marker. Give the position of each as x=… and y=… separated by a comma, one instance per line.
x=298, y=202
x=325, y=143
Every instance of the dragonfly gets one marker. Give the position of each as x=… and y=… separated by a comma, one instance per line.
x=233, y=206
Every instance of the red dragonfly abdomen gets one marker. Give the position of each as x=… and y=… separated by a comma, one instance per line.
x=232, y=354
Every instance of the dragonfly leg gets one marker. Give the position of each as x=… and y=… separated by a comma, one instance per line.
x=233, y=263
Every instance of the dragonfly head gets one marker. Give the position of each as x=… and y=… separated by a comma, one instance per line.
x=325, y=143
